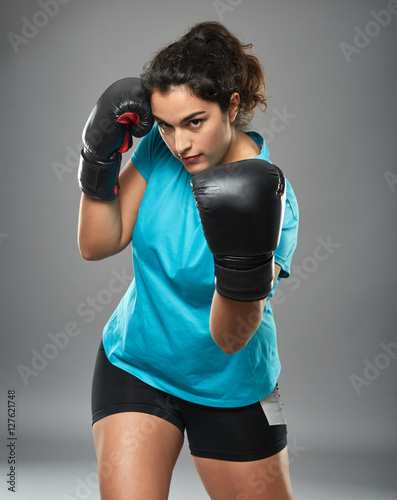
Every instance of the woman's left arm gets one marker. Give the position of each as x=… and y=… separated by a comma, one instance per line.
x=232, y=323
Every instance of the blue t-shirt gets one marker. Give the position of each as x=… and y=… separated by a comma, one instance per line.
x=159, y=332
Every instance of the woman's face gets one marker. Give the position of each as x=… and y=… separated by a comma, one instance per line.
x=197, y=132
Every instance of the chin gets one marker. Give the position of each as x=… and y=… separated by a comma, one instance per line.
x=195, y=169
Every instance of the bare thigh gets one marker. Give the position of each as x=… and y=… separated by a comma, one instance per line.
x=136, y=455
x=266, y=479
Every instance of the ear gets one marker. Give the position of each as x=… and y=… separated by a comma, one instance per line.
x=234, y=106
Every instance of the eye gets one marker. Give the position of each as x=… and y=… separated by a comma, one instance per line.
x=164, y=127
x=196, y=122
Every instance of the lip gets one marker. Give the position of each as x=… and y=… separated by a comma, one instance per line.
x=190, y=159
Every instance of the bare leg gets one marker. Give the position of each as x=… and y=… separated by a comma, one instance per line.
x=136, y=455
x=266, y=479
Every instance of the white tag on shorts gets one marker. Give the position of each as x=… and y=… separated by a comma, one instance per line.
x=273, y=408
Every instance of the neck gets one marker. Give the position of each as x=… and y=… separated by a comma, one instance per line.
x=242, y=147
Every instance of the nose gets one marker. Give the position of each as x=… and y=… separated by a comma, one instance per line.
x=182, y=142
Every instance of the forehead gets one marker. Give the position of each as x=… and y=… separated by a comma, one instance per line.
x=178, y=103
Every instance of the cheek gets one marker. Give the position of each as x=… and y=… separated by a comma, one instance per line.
x=221, y=140
x=168, y=139
x=218, y=138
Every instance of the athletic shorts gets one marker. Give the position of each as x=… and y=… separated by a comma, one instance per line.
x=238, y=434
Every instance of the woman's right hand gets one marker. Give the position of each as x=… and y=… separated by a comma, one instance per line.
x=121, y=112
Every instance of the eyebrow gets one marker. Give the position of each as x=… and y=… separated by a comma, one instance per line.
x=184, y=120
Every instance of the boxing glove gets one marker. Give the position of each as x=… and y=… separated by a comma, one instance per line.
x=241, y=207
x=121, y=112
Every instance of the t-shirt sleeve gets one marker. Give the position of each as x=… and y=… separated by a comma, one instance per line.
x=289, y=234
x=143, y=157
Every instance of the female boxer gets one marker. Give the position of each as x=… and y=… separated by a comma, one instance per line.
x=191, y=347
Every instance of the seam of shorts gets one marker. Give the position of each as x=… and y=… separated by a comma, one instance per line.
x=244, y=456
x=137, y=408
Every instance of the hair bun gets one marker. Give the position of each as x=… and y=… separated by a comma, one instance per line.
x=200, y=39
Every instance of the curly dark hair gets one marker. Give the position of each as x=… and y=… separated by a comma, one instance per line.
x=213, y=64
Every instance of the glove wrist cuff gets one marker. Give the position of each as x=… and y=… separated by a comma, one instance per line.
x=244, y=284
x=97, y=178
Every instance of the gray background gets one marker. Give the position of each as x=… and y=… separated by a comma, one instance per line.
x=336, y=145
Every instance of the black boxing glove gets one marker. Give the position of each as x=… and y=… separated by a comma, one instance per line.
x=121, y=112
x=241, y=207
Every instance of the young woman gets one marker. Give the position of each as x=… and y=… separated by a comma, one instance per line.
x=192, y=344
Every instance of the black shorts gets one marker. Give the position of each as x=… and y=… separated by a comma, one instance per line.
x=238, y=434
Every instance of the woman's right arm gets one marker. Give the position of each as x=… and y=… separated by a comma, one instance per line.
x=110, y=201
x=105, y=227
